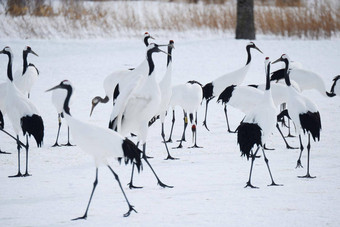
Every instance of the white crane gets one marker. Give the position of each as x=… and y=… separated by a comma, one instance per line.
x=257, y=126
x=100, y=143
x=22, y=114
x=189, y=97
x=306, y=79
x=165, y=86
x=140, y=106
x=121, y=77
x=57, y=97
x=214, y=88
x=335, y=89
x=246, y=98
x=25, y=79
x=303, y=112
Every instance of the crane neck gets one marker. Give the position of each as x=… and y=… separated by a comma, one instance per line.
x=146, y=41
x=24, y=56
x=169, y=56
x=9, y=67
x=249, y=55
x=150, y=62
x=286, y=72
x=67, y=100
x=268, y=77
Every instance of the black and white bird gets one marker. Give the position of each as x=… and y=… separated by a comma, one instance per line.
x=335, y=89
x=22, y=114
x=140, y=106
x=100, y=143
x=217, y=86
x=257, y=126
x=58, y=96
x=303, y=112
x=115, y=82
x=165, y=86
x=189, y=97
x=305, y=79
x=25, y=79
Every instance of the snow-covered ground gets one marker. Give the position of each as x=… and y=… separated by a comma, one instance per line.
x=208, y=182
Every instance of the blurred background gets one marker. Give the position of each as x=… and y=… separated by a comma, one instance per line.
x=244, y=19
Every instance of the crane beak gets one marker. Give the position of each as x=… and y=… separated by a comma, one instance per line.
x=58, y=86
x=93, y=106
x=258, y=49
x=166, y=45
x=32, y=52
x=151, y=37
x=276, y=61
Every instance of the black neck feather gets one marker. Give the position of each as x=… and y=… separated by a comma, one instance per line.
x=9, y=67
x=286, y=72
x=67, y=100
x=169, y=55
x=249, y=55
x=268, y=77
x=24, y=56
x=150, y=61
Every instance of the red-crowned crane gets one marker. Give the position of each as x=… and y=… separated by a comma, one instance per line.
x=57, y=97
x=257, y=126
x=25, y=79
x=189, y=97
x=112, y=81
x=303, y=112
x=100, y=143
x=140, y=106
x=22, y=114
x=214, y=88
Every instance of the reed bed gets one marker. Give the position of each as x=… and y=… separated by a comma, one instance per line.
x=79, y=19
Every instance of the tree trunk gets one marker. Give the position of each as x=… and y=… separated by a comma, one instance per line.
x=245, y=28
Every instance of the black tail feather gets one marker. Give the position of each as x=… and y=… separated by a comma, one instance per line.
x=132, y=153
x=247, y=136
x=311, y=122
x=33, y=125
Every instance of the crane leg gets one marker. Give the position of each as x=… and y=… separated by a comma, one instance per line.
x=120, y=185
x=166, y=146
x=88, y=205
x=284, y=139
x=18, y=147
x=270, y=173
x=298, y=163
x=185, y=127
x=68, y=138
x=59, y=125
x=289, y=134
x=172, y=126
x=226, y=117
x=160, y=183
x=308, y=159
x=194, y=133
x=253, y=157
x=27, y=147
x=131, y=186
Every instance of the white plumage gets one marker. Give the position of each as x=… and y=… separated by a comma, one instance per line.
x=21, y=112
x=257, y=126
x=25, y=79
x=100, y=143
x=217, y=86
x=189, y=97
x=303, y=112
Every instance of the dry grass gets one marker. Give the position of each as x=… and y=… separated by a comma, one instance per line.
x=288, y=18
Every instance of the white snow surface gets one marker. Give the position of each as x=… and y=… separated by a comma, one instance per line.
x=208, y=182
